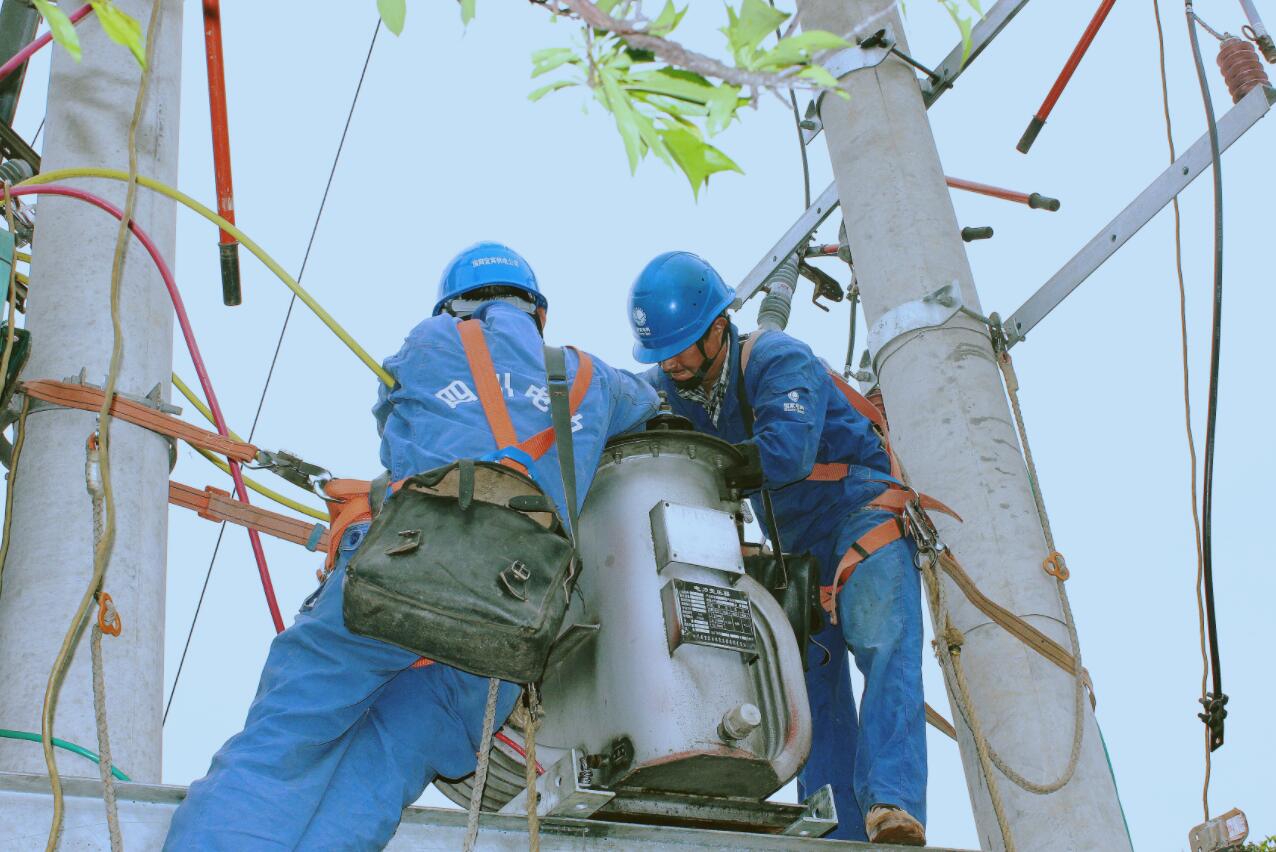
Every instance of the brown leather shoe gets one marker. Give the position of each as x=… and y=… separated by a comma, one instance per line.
x=889, y=824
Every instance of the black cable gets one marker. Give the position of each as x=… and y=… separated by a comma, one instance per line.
x=806, y=168
x=315, y=229
x=797, y=123
x=168, y=705
x=1214, y=715
x=278, y=345
x=37, y=131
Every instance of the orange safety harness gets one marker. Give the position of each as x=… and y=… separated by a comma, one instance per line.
x=349, y=503
x=895, y=499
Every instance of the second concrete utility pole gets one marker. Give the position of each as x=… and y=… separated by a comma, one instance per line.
x=952, y=427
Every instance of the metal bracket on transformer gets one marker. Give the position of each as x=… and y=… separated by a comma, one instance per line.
x=819, y=818
x=868, y=52
x=564, y=790
x=930, y=311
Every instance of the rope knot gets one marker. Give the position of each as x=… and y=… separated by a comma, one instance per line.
x=1056, y=566
x=108, y=617
x=954, y=639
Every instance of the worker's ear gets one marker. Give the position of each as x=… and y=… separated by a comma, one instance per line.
x=541, y=315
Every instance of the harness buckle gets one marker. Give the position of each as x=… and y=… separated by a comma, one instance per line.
x=296, y=470
x=514, y=577
x=918, y=525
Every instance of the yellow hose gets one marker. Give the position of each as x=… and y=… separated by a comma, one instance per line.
x=21, y=255
x=182, y=198
x=254, y=485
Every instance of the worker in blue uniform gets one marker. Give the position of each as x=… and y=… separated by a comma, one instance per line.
x=345, y=731
x=823, y=465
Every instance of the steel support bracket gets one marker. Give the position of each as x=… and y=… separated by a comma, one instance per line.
x=930, y=311
x=868, y=52
x=820, y=816
x=154, y=399
x=564, y=791
x=957, y=61
x=1194, y=162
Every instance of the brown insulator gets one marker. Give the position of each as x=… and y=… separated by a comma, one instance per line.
x=1242, y=70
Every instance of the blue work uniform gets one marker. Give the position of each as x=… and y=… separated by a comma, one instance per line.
x=343, y=732
x=800, y=418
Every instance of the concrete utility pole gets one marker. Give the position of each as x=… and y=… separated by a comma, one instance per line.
x=51, y=556
x=952, y=427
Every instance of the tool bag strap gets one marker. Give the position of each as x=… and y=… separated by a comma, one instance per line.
x=560, y=410
x=746, y=415
x=376, y=492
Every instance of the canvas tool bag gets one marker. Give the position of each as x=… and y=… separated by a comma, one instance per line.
x=469, y=564
x=794, y=581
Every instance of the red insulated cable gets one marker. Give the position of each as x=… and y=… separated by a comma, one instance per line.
x=1075, y=59
x=522, y=752
x=1038, y=121
x=219, y=115
x=220, y=122
x=985, y=189
x=25, y=53
x=179, y=308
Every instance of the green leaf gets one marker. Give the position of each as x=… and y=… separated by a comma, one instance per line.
x=667, y=21
x=746, y=30
x=963, y=25
x=818, y=74
x=799, y=49
x=60, y=27
x=537, y=94
x=121, y=28
x=544, y=61
x=393, y=14
x=696, y=158
x=722, y=106
x=684, y=85
x=467, y=11
x=607, y=5
x=613, y=97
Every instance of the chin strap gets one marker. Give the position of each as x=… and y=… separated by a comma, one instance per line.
x=706, y=364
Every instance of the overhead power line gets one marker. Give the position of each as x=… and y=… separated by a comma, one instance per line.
x=278, y=346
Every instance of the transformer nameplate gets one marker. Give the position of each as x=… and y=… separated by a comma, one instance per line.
x=701, y=614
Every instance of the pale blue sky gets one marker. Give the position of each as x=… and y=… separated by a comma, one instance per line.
x=445, y=149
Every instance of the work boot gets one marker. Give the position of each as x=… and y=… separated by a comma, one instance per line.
x=891, y=824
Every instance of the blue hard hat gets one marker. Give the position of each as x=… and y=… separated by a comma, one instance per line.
x=485, y=264
x=673, y=301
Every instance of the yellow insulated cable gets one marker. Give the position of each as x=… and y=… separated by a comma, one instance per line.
x=251, y=483
x=182, y=198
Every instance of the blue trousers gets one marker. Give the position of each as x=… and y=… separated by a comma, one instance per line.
x=878, y=756
x=341, y=736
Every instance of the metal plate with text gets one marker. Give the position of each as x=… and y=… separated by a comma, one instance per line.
x=701, y=614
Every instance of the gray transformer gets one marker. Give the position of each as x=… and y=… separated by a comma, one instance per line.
x=676, y=673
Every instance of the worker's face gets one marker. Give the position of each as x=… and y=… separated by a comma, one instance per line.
x=683, y=366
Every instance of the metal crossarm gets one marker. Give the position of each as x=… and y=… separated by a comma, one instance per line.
x=1194, y=162
x=946, y=73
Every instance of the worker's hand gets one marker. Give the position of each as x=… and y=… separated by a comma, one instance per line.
x=746, y=475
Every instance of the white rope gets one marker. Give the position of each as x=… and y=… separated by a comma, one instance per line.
x=94, y=485
x=533, y=721
x=952, y=639
x=480, y=773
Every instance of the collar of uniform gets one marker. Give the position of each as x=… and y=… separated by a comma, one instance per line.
x=712, y=399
